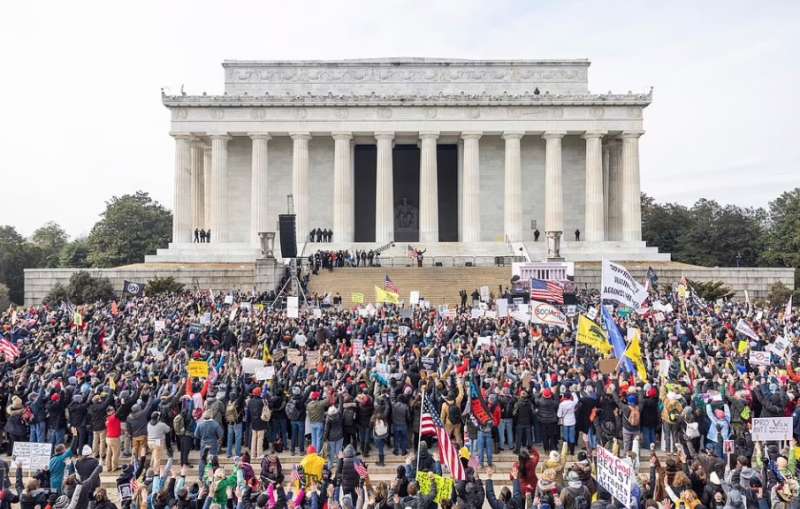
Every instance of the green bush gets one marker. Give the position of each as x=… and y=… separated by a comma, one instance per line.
x=711, y=290
x=83, y=288
x=160, y=285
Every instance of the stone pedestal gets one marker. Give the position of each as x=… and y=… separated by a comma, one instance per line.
x=554, y=247
x=267, y=274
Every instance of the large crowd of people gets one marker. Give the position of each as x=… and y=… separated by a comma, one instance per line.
x=113, y=387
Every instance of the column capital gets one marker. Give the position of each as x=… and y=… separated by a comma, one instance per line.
x=182, y=136
x=471, y=135
x=513, y=135
x=554, y=135
x=219, y=136
x=429, y=135
x=300, y=136
x=342, y=136
x=597, y=133
x=260, y=136
x=631, y=134
x=384, y=135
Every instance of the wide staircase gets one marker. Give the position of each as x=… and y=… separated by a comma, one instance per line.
x=437, y=285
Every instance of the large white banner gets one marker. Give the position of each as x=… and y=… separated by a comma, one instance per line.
x=743, y=328
x=545, y=314
x=772, y=428
x=615, y=475
x=618, y=285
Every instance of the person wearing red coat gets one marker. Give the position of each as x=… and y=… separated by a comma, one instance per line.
x=525, y=468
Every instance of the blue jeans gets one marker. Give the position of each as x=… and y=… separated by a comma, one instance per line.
x=400, y=438
x=379, y=443
x=213, y=447
x=568, y=434
x=317, y=429
x=279, y=427
x=298, y=435
x=592, y=437
x=485, y=445
x=37, y=432
x=364, y=435
x=56, y=436
x=649, y=435
x=334, y=448
x=235, y=438
x=506, y=429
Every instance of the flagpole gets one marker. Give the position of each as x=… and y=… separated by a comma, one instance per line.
x=419, y=431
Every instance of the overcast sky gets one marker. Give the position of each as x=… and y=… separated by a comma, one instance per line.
x=82, y=119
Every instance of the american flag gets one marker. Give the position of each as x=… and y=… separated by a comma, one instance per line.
x=295, y=475
x=411, y=253
x=548, y=291
x=9, y=350
x=361, y=470
x=431, y=425
x=389, y=285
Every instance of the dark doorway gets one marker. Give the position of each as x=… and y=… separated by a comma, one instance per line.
x=405, y=159
x=364, y=192
x=447, y=179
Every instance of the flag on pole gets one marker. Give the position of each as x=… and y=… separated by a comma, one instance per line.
x=634, y=352
x=591, y=334
x=615, y=336
x=548, y=291
x=430, y=425
x=382, y=295
x=132, y=288
x=788, y=312
x=9, y=350
x=743, y=328
x=411, y=253
x=389, y=285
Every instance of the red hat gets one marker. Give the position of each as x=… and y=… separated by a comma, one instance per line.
x=547, y=393
x=196, y=355
x=79, y=374
x=55, y=397
x=311, y=449
x=315, y=395
x=256, y=392
x=652, y=393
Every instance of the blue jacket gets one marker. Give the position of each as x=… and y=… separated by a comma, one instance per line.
x=724, y=424
x=208, y=431
x=58, y=464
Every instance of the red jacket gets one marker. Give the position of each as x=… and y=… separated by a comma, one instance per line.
x=113, y=426
x=528, y=482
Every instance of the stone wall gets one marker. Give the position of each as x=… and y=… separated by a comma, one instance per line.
x=38, y=282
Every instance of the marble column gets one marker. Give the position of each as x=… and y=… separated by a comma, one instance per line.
x=300, y=183
x=471, y=210
x=182, y=214
x=343, y=195
x=198, y=196
x=428, y=188
x=219, y=177
x=553, y=192
x=259, y=179
x=206, y=186
x=614, y=229
x=631, y=192
x=384, y=189
x=512, y=211
x=594, y=221
x=606, y=157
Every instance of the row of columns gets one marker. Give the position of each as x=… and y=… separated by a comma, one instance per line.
x=612, y=170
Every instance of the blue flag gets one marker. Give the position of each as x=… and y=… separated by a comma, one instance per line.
x=616, y=339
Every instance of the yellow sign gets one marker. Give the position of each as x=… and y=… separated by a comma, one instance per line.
x=382, y=295
x=591, y=334
x=77, y=319
x=444, y=486
x=634, y=353
x=357, y=298
x=197, y=369
x=742, y=348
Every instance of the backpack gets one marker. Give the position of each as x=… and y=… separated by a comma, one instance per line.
x=231, y=412
x=266, y=413
x=672, y=412
x=634, y=416
x=292, y=411
x=177, y=424
x=381, y=429
x=454, y=413
x=349, y=417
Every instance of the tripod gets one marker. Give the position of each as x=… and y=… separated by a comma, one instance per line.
x=292, y=280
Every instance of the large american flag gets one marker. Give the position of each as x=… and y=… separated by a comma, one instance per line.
x=389, y=285
x=431, y=425
x=548, y=291
x=9, y=350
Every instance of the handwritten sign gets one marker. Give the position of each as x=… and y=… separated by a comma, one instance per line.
x=428, y=362
x=294, y=356
x=312, y=359
x=265, y=373
x=759, y=358
x=484, y=294
x=205, y=319
x=615, y=475
x=358, y=347
x=771, y=428
x=32, y=456
x=444, y=486
x=413, y=297
x=197, y=369
x=728, y=446
x=159, y=325
x=250, y=365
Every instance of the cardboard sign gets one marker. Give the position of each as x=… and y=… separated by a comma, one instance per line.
x=413, y=297
x=428, y=362
x=294, y=356
x=615, y=475
x=591, y=313
x=159, y=325
x=502, y=307
x=608, y=366
x=249, y=365
x=205, y=319
x=759, y=358
x=771, y=428
x=32, y=456
x=312, y=359
x=265, y=373
x=197, y=369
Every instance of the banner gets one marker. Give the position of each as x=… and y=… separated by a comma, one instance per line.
x=444, y=486
x=32, y=456
x=743, y=328
x=591, y=334
x=618, y=285
x=771, y=428
x=131, y=288
x=387, y=297
x=615, y=475
x=546, y=314
x=413, y=297
x=634, y=352
x=197, y=369
x=265, y=373
x=759, y=358
x=357, y=298
x=249, y=366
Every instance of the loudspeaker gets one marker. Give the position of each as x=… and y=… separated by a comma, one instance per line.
x=288, y=235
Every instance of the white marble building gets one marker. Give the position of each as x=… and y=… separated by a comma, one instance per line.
x=462, y=157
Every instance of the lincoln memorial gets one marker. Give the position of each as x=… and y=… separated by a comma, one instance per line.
x=453, y=156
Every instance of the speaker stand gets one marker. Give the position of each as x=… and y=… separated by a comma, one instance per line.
x=292, y=280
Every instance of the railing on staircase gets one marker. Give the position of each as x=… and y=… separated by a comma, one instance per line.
x=384, y=247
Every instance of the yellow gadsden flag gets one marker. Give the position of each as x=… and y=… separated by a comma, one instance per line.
x=634, y=352
x=591, y=334
x=382, y=295
x=357, y=298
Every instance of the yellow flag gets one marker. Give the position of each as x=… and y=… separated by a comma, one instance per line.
x=266, y=356
x=634, y=353
x=382, y=295
x=591, y=334
x=357, y=298
x=742, y=348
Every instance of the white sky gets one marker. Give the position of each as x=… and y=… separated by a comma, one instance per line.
x=81, y=117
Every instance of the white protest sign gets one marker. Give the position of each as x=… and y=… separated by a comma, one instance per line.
x=476, y=313
x=317, y=313
x=779, y=346
x=743, y=328
x=615, y=475
x=490, y=314
x=32, y=456
x=205, y=319
x=292, y=312
x=413, y=297
x=485, y=293
x=545, y=314
x=591, y=314
x=771, y=428
x=159, y=325
x=484, y=340
x=759, y=358
x=228, y=299
x=572, y=310
x=265, y=373
x=619, y=285
x=250, y=365
x=502, y=307
x=663, y=367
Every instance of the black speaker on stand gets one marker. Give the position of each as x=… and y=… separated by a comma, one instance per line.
x=286, y=225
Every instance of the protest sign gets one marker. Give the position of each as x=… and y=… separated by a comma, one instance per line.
x=198, y=369
x=502, y=307
x=205, y=319
x=615, y=475
x=413, y=297
x=728, y=446
x=32, y=456
x=743, y=328
x=619, y=285
x=428, y=362
x=779, y=346
x=759, y=358
x=249, y=365
x=358, y=347
x=663, y=368
x=317, y=313
x=265, y=373
x=484, y=294
x=444, y=486
x=484, y=341
x=476, y=313
x=771, y=428
x=591, y=313
x=292, y=312
x=294, y=356
x=228, y=299
x=546, y=314
x=608, y=366
x=159, y=325
x=571, y=310
x=490, y=314
x=312, y=359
